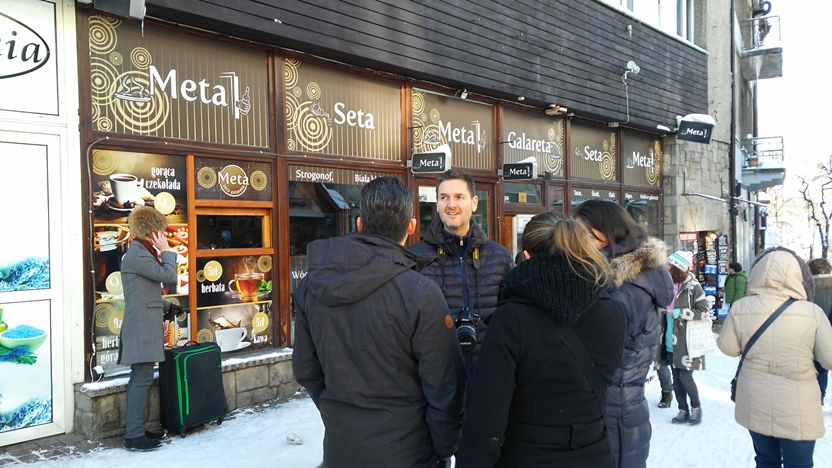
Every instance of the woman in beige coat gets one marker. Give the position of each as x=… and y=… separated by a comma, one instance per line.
x=778, y=398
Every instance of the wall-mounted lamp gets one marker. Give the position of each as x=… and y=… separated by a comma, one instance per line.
x=663, y=128
x=521, y=98
x=463, y=94
x=555, y=109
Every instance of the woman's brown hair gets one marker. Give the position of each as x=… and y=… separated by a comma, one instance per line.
x=550, y=233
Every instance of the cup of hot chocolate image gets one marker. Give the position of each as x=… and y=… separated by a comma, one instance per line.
x=124, y=187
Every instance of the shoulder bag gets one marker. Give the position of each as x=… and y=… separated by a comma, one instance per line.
x=754, y=340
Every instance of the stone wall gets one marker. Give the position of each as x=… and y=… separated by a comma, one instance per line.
x=100, y=408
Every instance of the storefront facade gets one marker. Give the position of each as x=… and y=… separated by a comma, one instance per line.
x=41, y=352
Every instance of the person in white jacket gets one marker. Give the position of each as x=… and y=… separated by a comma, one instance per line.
x=778, y=398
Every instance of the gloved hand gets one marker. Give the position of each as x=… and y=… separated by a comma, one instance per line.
x=174, y=312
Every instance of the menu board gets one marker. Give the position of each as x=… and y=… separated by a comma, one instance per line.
x=234, y=293
x=121, y=182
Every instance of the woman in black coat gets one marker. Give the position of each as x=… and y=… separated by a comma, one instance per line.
x=530, y=403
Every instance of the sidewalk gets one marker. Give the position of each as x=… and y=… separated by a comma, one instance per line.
x=60, y=447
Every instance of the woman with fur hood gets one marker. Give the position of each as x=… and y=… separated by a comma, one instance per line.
x=689, y=303
x=777, y=394
x=638, y=279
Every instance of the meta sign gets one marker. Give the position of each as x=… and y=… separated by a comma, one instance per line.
x=520, y=171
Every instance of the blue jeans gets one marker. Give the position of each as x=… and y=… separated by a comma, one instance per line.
x=773, y=452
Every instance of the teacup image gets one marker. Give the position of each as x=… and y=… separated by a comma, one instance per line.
x=106, y=240
x=229, y=339
x=124, y=187
x=246, y=283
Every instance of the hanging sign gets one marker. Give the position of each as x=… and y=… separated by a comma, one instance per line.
x=696, y=127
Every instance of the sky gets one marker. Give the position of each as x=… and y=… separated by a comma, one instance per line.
x=796, y=105
x=252, y=437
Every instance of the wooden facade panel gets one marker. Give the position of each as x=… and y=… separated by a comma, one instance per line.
x=570, y=52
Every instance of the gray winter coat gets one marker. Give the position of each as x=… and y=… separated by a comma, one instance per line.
x=693, y=305
x=142, y=333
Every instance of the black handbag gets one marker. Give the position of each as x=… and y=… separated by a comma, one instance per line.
x=753, y=340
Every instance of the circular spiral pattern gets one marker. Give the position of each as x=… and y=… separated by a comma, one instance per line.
x=550, y=133
x=103, y=75
x=102, y=314
x=258, y=180
x=200, y=276
x=654, y=173
x=313, y=90
x=173, y=300
x=116, y=58
x=312, y=132
x=206, y=177
x=290, y=144
x=423, y=118
x=104, y=162
x=297, y=92
x=264, y=263
x=205, y=335
x=291, y=105
x=290, y=72
x=140, y=57
x=434, y=116
x=606, y=145
x=96, y=112
x=607, y=166
x=104, y=124
x=126, y=165
x=141, y=117
x=417, y=101
x=103, y=36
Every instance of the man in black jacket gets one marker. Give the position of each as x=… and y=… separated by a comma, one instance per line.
x=375, y=345
x=468, y=266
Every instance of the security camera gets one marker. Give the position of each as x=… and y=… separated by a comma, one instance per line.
x=633, y=68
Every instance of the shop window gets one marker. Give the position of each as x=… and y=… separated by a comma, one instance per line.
x=229, y=232
x=646, y=211
x=321, y=211
x=555, y=198
x=523, y=194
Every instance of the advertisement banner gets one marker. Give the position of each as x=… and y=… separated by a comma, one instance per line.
x=532, y=135
x=462, y=125
x=592, y=153
x=221, y=179
x=641, y=159
x=154, y=82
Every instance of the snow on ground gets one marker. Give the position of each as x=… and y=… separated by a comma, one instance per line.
x=258, y=437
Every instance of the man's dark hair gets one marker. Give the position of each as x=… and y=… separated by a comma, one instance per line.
x=614, y=222
x=456, y=174
x=736, y=266
x=386, y=207
x=820, y=266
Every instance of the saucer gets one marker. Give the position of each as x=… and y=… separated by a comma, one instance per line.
x=136, y=203
x=236, y=295
x=242, y=345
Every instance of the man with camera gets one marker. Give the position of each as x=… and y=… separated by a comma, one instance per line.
x=468, y=266
x=374, y=342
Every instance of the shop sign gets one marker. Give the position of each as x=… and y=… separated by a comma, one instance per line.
x=153, y=82
x=520, y=171
x=464, y=126
x=430, y=163
x=594, y=194
x=592, y=153
x=216, y=179
x=28, y=67
x=335, y=112
x=641, y=159
x=528, y=135
x=331, y=175
x=699, y=132
x=646, y=197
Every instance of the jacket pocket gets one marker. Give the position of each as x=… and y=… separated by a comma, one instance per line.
x=157, y=306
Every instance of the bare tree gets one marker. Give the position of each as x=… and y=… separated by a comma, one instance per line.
x=819, y=213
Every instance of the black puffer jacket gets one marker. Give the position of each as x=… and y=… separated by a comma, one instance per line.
x=481, y=278
x=375, y=348
x=640, y=280
x=529, y=392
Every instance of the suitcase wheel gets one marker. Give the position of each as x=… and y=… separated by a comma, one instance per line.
x=219, y=421
x=182, y=433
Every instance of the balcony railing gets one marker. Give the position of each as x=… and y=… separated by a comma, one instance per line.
x=763, y=152
x=760, y=33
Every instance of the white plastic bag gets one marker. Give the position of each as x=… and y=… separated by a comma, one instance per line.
x=700, y=338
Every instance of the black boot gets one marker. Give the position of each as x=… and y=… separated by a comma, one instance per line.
x=682, y=418
x=667, y=398
x=695, y=416
x=142, y=443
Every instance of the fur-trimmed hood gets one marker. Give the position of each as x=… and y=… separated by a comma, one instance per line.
x=823, y=281
x=652, y=254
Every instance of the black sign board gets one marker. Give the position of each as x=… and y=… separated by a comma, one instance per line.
x=519, y=171
x=699, y=132
x=430, y=163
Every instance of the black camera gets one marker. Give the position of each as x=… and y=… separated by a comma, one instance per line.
x=467, y=326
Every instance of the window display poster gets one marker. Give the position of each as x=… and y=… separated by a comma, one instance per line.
x=234, y=293
x=24, y=251
x=25, y=365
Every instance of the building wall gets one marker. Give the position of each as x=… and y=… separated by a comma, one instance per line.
x=569, y=53
x=39, y=148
